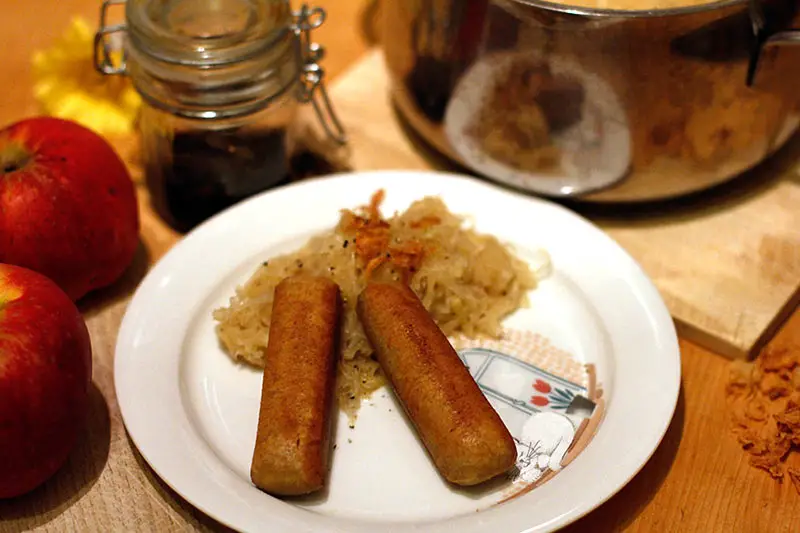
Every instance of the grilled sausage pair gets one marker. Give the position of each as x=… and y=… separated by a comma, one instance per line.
x=462, y=432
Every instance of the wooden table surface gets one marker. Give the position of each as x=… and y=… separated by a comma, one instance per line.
x=698, y=479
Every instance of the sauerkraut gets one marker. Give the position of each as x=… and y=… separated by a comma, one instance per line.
x=469, y=282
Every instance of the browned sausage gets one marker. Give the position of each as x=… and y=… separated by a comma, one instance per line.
x=462, y=432
x=293, y=437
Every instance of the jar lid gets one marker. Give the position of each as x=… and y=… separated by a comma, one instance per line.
x=206, y=33
x=211, y=59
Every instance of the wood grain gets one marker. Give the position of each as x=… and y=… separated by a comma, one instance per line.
x=726, y=261
x=697, y=481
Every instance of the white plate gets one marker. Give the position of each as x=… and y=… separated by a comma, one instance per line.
x=192, y=413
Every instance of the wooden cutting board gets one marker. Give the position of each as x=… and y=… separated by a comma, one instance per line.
x=727, y=262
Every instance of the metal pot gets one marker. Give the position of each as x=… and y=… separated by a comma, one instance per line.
x=599, y=105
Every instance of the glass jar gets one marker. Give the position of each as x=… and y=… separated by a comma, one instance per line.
x=221, y=81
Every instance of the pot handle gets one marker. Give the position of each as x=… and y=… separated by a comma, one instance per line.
x=765, y=38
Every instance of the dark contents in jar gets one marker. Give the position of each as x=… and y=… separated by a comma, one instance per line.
x=306, y=164
x=210, y=171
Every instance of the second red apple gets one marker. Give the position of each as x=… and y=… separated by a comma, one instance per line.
x=45, y=373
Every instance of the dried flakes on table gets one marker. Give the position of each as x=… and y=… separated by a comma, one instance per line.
x=795, y=379
x=776, y=359
x=751, y=442
x=739, y=378
x=764, y=403
x=769, y=464
x=789, y=420
x=774, y=386
x=756, y=409
x=794, y=475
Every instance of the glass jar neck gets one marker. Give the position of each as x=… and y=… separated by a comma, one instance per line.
x=212, y=59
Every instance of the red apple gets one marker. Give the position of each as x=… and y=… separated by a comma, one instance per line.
x=45, y=373
x=67, y=204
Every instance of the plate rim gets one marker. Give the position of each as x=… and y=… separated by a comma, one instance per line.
x=329, y=523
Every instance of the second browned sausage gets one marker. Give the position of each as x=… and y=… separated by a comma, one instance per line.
x=293, y=437
x=462, y=432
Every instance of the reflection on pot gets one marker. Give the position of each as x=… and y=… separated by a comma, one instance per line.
x=541, y=124
x=552, y=121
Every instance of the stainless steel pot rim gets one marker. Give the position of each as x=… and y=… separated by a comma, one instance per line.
x=629, y=13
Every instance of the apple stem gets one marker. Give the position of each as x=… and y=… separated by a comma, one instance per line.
x=13, y=158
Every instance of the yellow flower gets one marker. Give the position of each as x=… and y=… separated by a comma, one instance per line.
x=66, y=85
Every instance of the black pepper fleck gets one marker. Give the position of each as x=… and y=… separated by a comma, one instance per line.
x=344, y=245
